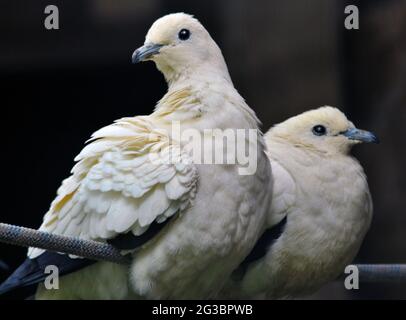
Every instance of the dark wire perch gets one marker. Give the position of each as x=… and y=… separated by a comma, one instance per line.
x=93, y=250
x=100, y=251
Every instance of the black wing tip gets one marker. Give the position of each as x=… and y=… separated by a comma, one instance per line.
x=32, y=271
x=18, y=278
x=261, y=247
x=7, y=286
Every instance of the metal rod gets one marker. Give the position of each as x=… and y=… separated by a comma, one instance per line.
x=89, y=249
x=382, y=272
x=100, y=251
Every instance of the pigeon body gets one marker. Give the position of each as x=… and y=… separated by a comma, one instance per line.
x=321, y=206
x=135, y=174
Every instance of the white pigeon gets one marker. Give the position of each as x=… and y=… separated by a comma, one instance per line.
x=321, y=208
x=139, y=187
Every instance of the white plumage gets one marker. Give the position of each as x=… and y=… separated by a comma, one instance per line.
x=117, y=186
x=133, y=173
x=322, y=192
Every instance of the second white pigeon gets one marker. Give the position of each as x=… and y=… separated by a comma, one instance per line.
x=321, y=208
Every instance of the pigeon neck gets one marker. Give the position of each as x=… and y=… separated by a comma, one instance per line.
x=206, y=72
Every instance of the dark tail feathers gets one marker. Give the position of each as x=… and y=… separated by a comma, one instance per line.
x=32, y=271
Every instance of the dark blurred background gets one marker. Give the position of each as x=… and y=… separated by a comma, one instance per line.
x=285, y=57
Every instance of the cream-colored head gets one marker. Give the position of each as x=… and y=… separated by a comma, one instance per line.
x=325, y=130
x=180, y=45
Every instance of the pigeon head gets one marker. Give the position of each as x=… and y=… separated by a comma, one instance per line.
x=180, y=46
x=326, y=129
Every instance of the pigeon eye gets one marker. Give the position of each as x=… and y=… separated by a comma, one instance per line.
x=184, y=34
x=319, y=130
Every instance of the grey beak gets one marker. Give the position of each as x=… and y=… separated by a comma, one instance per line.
x=145, y=52
x=361, y=135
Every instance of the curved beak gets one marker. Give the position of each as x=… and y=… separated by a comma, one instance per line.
x=145, y=52
x=361, y=135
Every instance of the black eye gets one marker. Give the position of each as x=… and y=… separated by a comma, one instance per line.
x=184, y=34
x=319, y=130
